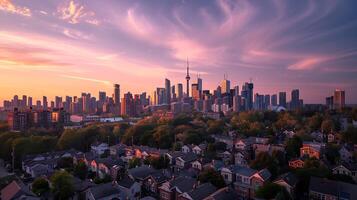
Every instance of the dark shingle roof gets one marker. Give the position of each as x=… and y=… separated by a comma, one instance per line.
x=104, y=190
x=141, y=172
x=335, y=188
x=202, y=191
x=289, y=178
x=184, y=184
x=126, y=182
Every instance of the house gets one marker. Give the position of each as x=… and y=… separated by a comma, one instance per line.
x=199, y=149
x=39, y=169
x=185, y=160
x=216, y=165
x=199, y=193
x=171, y=156
x=144, y=152
x=317, y=135
x=243, y=183
x=311, y=149
x=346, y=154
x=118, y=150
x=139, y=174
x=321, y=188
x=154, y=181
x=258, y=179
x=346, y=169
x=186, y=148
x=45, y=163
x=80, y=187
x=241, y=158
x=288, y=181
x=100, y=149
x=228, y=173
x=105, y=191
x=171, y=189
x=16, y=190
x=296, y=163
x=331, y=137
x=244, y=144
x=109, y=167
x=131, y=188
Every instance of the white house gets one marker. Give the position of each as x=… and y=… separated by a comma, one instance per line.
x=100, y=149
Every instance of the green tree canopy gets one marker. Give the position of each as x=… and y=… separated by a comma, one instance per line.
x=62, y=186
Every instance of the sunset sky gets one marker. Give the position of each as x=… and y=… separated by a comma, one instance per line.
x=68, y=47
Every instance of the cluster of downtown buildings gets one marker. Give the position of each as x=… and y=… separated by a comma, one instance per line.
x=166, y=101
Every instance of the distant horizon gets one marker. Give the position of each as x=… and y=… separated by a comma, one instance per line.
x=67, y=47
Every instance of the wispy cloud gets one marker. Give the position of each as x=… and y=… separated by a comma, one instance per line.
x=9, y=6
x=74, y=13
x=86, y=79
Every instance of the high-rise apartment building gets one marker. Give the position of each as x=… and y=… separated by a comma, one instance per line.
x=339, y=99
x=282, y=99
x=167, y=96
x=274, y=100
x=195, y=92
x=44, y=103
x=226, y=86
x=295, y=99
x=247, y=94
x=179, y=91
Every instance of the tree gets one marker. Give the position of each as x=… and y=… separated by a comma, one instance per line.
x=293, y=146
x=62, y=186
x=264, y=160
x=40, y=186
x=212, y=176
x=332, y=154
x=65, y=163
x=268, y=191
x=81, y=170
x=135, y=162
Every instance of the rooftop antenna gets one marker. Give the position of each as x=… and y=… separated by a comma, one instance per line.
x=250, y=79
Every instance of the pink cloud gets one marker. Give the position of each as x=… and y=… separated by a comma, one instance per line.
x=9, y=6
x=74, y=13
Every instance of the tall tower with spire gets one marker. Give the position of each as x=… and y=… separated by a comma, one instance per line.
x=188, y=80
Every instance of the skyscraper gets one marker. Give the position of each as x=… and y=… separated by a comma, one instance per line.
x=44, y=103
x=30, y=102
x=24, y=101
x=188, y=80
x=195, y=92
x=282, y=99
x=225, y=86
x=58, y=102
x=179, y=91
x=199, y=83
x=339, y=99
x=247, y=94
x=117, y=94
x=117, y=99
x=167, y=98
x=266, y=101
x=274, y=100
x=295, y=99
x=102, y=96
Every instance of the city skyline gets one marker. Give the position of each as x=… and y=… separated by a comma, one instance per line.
x=286, y=46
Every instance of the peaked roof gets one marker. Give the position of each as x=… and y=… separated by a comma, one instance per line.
x=202, y=191
x=184, y=184
x=289, y=178
x=105, y=190
x=334, y=188
x=15, y=190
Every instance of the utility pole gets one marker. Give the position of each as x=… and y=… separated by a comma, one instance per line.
x=13, y=158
